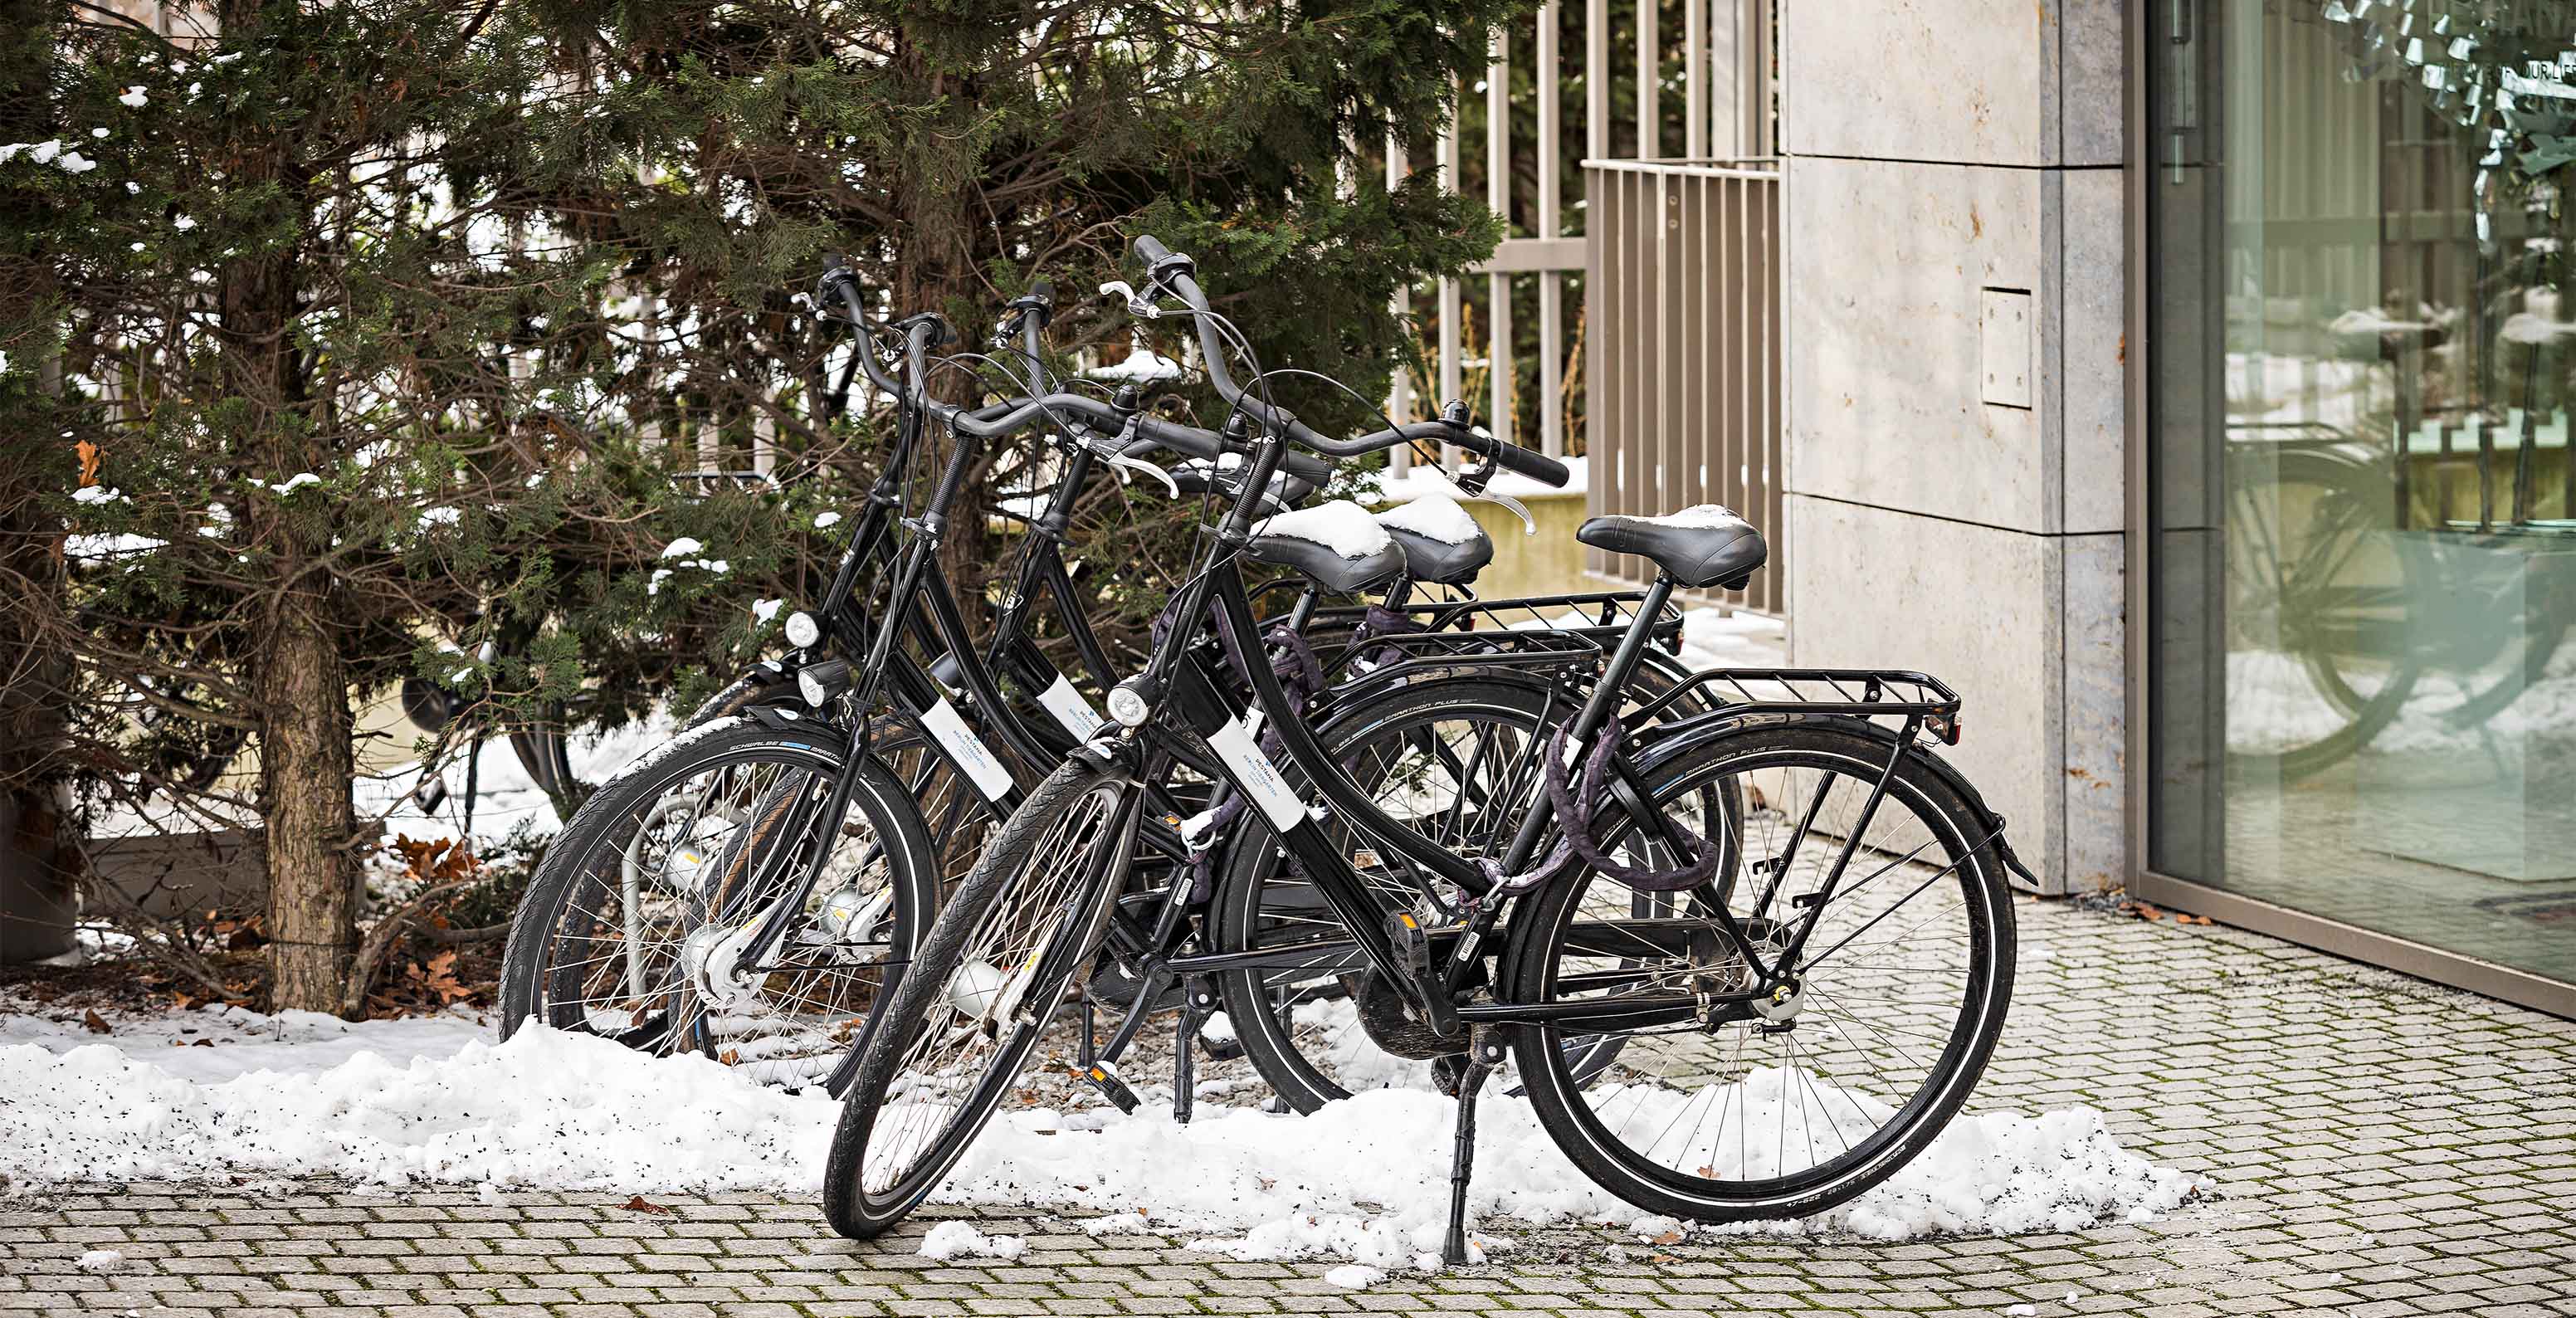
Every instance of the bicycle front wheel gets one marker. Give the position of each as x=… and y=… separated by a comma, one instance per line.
x=957, y=1034
x=641, y=921
x=1738, y=1107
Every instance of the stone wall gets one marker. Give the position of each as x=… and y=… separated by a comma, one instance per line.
x=1954, y=385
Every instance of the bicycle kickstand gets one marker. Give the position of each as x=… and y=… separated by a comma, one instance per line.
x=1198, y=1002
x=1483, y=1056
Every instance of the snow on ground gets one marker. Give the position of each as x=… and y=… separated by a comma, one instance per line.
x=1713, y=638
x=217, y=1043
x=950, y=1240
x=1365, y=1181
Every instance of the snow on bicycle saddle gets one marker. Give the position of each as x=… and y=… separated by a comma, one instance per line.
x=1336, y=545
x=1702, y=546
x=1442, y=544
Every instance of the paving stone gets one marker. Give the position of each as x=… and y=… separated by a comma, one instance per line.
x=2371, y=1146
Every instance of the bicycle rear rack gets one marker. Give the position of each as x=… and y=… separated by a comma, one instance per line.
x=1605, y=615
x=1857, y=692
x=1384, y=656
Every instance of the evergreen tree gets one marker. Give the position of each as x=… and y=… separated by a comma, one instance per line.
x=353, y=334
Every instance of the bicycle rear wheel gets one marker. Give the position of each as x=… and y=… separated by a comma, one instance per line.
x=1791, y=1105
x=955, y=1037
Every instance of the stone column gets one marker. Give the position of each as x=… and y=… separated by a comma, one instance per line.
x=1954, y=383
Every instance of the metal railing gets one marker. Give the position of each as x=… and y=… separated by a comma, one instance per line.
x=1683, y=301
x=1719, y=61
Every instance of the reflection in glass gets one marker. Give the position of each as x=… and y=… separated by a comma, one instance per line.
x=2362, y=509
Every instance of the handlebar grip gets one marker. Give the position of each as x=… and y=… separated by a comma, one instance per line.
x=1150, y=250
x=1043, y=291
x=1179, y=439
x=1313, y=471
x=1535, y=465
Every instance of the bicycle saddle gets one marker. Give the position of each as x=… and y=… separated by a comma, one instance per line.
x=1442, y=544
x=1702, y=546
x=1336, y=545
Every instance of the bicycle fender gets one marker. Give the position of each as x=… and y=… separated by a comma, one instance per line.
x=1677, y=740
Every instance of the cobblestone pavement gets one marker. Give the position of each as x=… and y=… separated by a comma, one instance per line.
x=2377, y=1146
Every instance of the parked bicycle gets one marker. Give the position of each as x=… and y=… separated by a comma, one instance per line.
x=1793, y=1022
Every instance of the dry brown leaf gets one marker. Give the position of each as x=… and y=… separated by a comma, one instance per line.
x=93, y=1022
x=729, y=1056
x=639, y=1204
x=89, y=462
x=1668, y=1238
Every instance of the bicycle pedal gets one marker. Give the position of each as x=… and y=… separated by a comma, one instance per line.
x=1413, y=952
x=1220, y=1050
x=1104, y=1077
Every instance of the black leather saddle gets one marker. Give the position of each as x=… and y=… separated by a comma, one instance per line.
x=1442, y=560
x=1336, y=545
x=1696, y=547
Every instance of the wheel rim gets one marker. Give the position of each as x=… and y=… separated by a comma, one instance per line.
x=1893, y=996
x=975, y=1027
x=675, y=869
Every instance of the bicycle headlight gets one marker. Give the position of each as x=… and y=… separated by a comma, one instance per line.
x=1129, y=705
x=802, y=630
x=818, y=683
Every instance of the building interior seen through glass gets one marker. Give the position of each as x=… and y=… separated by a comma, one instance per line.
x=2361, y=505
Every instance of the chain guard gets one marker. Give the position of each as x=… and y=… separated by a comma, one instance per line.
x=1382, y=1013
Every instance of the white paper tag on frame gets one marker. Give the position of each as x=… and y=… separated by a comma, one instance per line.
x=1257, y=776
x=1069, y=708
x=968, y=750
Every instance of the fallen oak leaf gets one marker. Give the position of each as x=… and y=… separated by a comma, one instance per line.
x=93, y=1022
x=639, y=1204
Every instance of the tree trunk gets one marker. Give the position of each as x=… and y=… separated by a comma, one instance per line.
x=304, y=790
x=935, y=270
x=304, y=721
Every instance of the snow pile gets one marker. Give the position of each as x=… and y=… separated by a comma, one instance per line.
x=1364, y=1181
x=217, y=1043
x=545, y=1108
x=950, y=1240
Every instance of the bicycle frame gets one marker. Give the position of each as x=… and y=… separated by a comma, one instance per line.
x=1194, y=699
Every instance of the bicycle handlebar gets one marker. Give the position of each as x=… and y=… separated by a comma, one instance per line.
x=1179, y=274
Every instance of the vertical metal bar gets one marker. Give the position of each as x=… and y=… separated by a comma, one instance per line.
x=1500, y=371
x=1650, y=108
x=1726, y=74
x=1598, y=272
x=1695, y=73
x=1775, y=578
x=1551, y=224
x=1450, y=300
x=1596, y=95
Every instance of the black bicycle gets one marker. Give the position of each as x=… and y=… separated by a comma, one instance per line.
x=1820, y=983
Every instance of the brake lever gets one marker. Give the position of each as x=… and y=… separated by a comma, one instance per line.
x=1473, y=481
x=1121, y=460
x=1139, y=305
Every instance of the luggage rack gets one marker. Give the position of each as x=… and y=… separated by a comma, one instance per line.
x=1403, y=653
x=1862, y=692
x=1604, y=616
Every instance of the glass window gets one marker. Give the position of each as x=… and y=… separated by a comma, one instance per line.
x=2361, y=509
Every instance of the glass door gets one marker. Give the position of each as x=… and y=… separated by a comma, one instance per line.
x=2361, y=513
